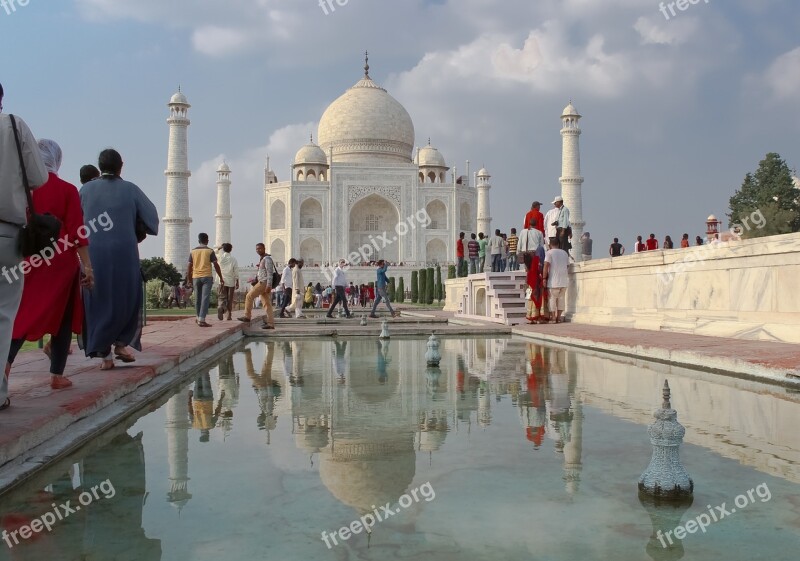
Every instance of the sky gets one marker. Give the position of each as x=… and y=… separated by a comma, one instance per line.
x=676, y=108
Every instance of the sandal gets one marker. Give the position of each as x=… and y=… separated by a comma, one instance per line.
x=6, y=404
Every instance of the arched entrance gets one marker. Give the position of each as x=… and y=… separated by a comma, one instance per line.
x=311, y=252
x=436, y=252
x=311, y=214
x=438, y=214
x=277, y=216
x=370, y=218
x=278, y=251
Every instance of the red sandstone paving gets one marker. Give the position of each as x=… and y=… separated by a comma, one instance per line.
x=34, y=405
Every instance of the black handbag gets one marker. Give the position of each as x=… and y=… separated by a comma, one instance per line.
x=42, y=230
x=276, y=276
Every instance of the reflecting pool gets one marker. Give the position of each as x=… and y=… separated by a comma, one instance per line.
x=509, y=450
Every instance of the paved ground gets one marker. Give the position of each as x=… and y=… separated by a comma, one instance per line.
x=38, y=413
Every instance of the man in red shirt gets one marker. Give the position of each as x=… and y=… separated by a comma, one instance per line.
x=534, y=218
x=460, y=255
x=652, y=243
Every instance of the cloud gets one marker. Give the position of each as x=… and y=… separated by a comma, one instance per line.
x=783, y=75
x=657, y=31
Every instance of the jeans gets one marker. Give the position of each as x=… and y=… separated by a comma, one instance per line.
x=380, y=293
x=512, y=262
x=473, y=265
x=496, y=263
x=503, y=265
x=10, y=293
x=202, y=292
x=340, y=297
x=460, y=267
x=481, y=263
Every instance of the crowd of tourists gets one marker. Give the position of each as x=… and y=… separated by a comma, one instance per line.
x=84, y=280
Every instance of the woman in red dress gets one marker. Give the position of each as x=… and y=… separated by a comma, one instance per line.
x=51, y=298
x=537, y=288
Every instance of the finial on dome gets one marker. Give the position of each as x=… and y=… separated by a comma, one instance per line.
x=665, y=393
x=429, y=141
x=179, y=88
x=312, y=138
x=366, y=64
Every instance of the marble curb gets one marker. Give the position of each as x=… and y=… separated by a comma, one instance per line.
x=728, y=366
x=61, y=435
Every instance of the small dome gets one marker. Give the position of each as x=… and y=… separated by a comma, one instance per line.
x=483, y=173
x=570, y=111
x=310, y=154
x=711, y=218
x=223, y=168
x=178, y=99
x=430, y=157
x=796, y=181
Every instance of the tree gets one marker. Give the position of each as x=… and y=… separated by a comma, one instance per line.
x=770, y=190
x=390, y=290
x=401, y=291
x=439, y=285
x=414, y=287
x=157, y=268
x=451, y=272
x=423, y=281
x=430, y=286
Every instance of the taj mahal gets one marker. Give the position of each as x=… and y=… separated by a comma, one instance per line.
x=362, y=184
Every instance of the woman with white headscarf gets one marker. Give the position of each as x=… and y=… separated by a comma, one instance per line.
x=51, y=297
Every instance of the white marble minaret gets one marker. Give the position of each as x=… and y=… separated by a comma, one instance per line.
x=571, y=180
x=176, y=220
x=223, y=205
x=484, y=218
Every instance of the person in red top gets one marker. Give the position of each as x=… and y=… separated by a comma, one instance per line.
x=640, y=245
x=685, y=240
x=652, y=243
x=51, y=297
x=534, y=217
x=460, y=255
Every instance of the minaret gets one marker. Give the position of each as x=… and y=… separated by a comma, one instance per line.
x=484, y=219
x=176, y=219
x=178, y=426
x=223, y=215
x=571, y=180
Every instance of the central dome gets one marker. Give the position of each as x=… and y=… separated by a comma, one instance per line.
x=366, y=124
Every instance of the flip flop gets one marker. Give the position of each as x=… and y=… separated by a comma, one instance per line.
x=125, y=357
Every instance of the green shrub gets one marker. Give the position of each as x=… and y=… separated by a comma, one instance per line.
x=401, y=291
x=423, y=282
x=390, y=290
x=439, y=285
x=414, y=287
x=451, y=272
x=429, y=286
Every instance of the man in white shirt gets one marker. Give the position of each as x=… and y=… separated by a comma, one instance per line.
x=298, y=285
x=339, y=285
x=555, y=274
x=496, y=251
x=230, y=277
x=13, y=206
x=286, y=283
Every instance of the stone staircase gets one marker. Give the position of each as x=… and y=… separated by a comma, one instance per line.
x=500, y=297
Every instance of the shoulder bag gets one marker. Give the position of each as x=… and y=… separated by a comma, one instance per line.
x=41, y=230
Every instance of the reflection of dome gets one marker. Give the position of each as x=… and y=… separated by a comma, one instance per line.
x=366, y=123
x=363, y=474
x=430, y=157
x=310, y=154
x=312, y=437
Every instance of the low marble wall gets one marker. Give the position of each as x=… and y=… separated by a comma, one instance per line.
x=748, y=289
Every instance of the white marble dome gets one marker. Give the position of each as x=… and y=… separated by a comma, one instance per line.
x=483, y=173
x=430, y=157
x=310, y=154
x=367, y=124
x=178, y=99
x=224, y=168
x=570, y=111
